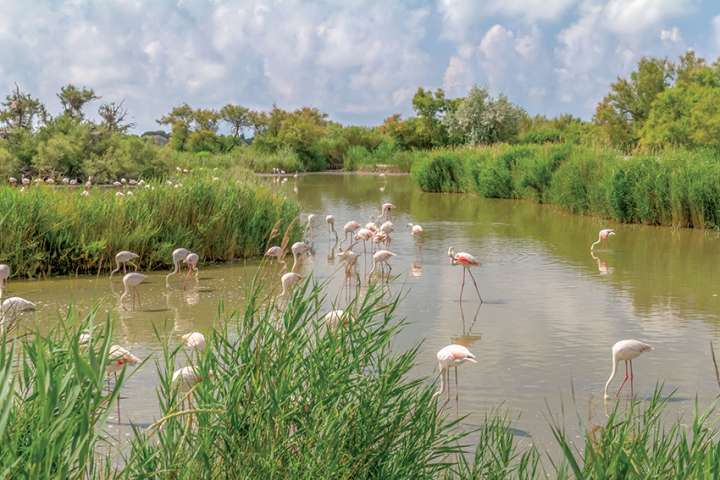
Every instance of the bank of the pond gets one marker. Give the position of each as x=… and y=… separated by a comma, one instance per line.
x=679, y=188
x=326, y=404
x=53, y=230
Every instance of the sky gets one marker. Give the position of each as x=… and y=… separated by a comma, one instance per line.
x=357, y=60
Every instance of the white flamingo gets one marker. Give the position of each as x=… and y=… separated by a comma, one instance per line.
x=627, y=351
x=124, y=258
x=451, y=356
x=131, y=282
x=178, y=255
x=603, y=236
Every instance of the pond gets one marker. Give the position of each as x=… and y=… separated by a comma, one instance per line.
x=542, y=337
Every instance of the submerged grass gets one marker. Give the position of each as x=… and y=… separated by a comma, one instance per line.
x=678, y=187
x=50, y=230
x=282, y=396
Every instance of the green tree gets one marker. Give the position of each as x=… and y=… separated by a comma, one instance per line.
x=238, y=119
x=180, y=121
x=73, y=99
x=113, y=117
x=621, y=115
x=21, y=110
x=430, y=109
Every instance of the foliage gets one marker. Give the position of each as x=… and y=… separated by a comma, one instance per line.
x=73, y=99
x=56, y=231
x=440, y=172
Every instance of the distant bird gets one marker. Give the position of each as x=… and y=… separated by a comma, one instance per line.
x=467, y=261
x=13, y=181
x=387, y=228
x=309, y=226
x=298, y=249
x=194, y=340
x=349, y=258
x=85, y=193
x=178, y=255
x=288, y=281
x=124, y=258
x=118, y=357
x=451, y=356
x=84, y=338
x=330, y=220
x=364, y=235
x=627, y=351
x=184, y=379
x=385, y=210
x=131, y=282
x=66, y=181
x=191, y=260
x=11, y=307
x=416, y=231
x=350, y=228
x=276, y=252
x=336, y=317
x=371, y=225
x=603, y=235
x=25, y=181
x=50, y=181
x=4, y=277
x=382, y=258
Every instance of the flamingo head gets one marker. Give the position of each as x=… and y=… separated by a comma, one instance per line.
x=451, y=252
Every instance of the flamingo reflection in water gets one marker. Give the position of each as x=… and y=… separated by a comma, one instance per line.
x=602, y=265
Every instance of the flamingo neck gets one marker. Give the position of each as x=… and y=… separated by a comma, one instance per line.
x=612, y=376
x=596, y=242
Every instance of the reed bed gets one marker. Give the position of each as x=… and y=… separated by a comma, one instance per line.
x=55, y=230
x=677, y=188
x=283, y=396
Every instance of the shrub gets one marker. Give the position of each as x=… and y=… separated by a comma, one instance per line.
x=443, y=172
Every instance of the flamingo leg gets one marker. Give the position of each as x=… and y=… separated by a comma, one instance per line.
x=457, y=391
x=124, y=268
x=134, y=266
x=118, y=401
x=625, y=379
x=632, y=391
x=462, y=285
x=476, y=286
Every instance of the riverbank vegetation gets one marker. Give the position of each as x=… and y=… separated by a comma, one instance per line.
x=326, y=404
x=678, y=187
x=660, y=105
x=49, y=230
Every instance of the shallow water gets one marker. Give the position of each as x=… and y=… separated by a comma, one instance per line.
x=543, y=335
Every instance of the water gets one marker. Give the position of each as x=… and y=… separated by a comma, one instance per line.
x=542, y=337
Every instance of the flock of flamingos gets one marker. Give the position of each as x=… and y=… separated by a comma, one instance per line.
x=380, y=240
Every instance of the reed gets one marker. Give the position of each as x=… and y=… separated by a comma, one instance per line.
x=48, y=230
x=677, y=187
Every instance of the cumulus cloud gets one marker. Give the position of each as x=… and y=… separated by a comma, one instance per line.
x=671, y=36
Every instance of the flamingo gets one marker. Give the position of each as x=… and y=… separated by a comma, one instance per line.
x=194, y=340
x=309, y=226
x=385, y=210
x=603, y=235
x=381, y=257
x=11, y=307
x=191, y=260
x=184, y=379
x=118, y=357
x=288, y=281
x=416, y=231
x=4, y=276
x=364, y=234
x=131, y=282
x=276, y=252
x=178, y=255
x=297, y=249
x=467, y=261
x=333, y=318
x=451, y=356
x=350, y=228
x=387, y=228
x=13, y=181
x=349, y=258
x=123, y=258
x=371, y=225
x=330, y=220
x=626, y=350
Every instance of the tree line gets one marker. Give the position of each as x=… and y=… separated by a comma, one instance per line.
x=660, y=104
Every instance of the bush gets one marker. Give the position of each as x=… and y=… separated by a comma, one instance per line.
x=442, y=172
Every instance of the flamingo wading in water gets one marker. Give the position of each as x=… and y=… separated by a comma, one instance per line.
x=4, y=276
x=627, y=351
x=382, y=258
x=124, y=258
x=288, y=281
x=192, y=261
x=330, y=220
x=276, y=252
x=451, y=356
x=603, y=236
x=118, y=357
x=131, y=282
x=178, y=255
x=467, y=261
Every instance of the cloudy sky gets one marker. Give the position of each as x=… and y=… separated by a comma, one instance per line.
x=358, y=60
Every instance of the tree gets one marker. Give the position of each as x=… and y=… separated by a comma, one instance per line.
x=238, y=118
x=113, y=116
x=430, y=108
x=621, y=115
x=180, y=121
x=480, y=119
x=73, y=99
x=21, y=110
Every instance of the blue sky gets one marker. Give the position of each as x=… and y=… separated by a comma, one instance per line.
x=358, y=60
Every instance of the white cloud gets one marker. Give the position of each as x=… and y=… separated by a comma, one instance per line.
x=631, y=16
x=672, y=35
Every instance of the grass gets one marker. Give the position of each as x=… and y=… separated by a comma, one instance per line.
x=678, y=187
x=284, y=397
x=50, y=230
x=244, y=157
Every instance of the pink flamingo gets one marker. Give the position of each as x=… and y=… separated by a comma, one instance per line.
x=451, y=356
x=350, y=228
x=131, y=282
x=382, y=258
x=118, y=357
x=192, y=260
x=364, y=234
x=627, y=351
x=4, y=276
x=178, y=255
x=385, y=210
x=194, y=340
x=330, y=220
x=277, y=252
x=288, y=281
x=124, y=258
x=603, y=236
x=467, y=261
